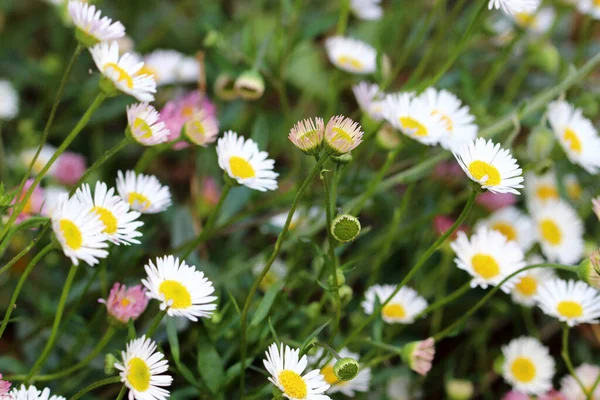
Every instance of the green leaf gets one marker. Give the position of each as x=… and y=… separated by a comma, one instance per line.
x=210, y=365
x=173, y=339
x=266, y=303
x=234, y=302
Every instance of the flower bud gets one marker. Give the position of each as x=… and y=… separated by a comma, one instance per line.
x=343, y=159
x=459, y=389
x=596, y=206
x=250, y=85
x=540, y=143
x=345, y=228
x=387, y=138
x=419, y=355
x=345, y=293
x=346, y=369
x=545, y=56
x=212, y=38
x=125, y=303
x=340, y=279
x=307, y=135
x=109, y=364
x=224, y=87
x=589, y=270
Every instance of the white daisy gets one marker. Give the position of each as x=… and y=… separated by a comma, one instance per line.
x=170, y=66
x=242, y=161
x=403, y=308
x=43, y=158
x=143, y=123
x=79, y=231
x=492, y=167
x=141, y=369
x=528, y=282
x=559, y=231
x=52, y=195
x=342, y=135
x=514, y=6
x=201, y=128
x=144, y=193
x=540, y=189
x=9, y=100
x=589, y=7
x=369, y=10
x=351, y=55
x=88, y=21
x=513, y=224
x=572, y=186
x=286, y=368
x=123, y=71
x=414, y=117
x=360, y=383
x=588, y=375
x=528, y=365
x=538, y=22
x=573, y=302
x=576, y=134
x=488, y=257
x=32, y=393
x=182, y=290
x=370, y=99
x=456, y=117
x=120, y=225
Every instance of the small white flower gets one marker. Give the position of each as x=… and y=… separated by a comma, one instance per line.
x=41, y=161
x=32, y=393
x=403, y=308
x=360, y=383
x=89, y=21
x=538, y=22
x=587, y=374
x=528, y=366
x=513, y=224
x=514, y=6
x=144, y=193
x=351, y=55
x=369, y=10
x=527, y=283
x=589, y=7
x=539, y=189
x=170, y=66
x=144, y=125
x=573, y=302
x=370, y=99
x=9, y=100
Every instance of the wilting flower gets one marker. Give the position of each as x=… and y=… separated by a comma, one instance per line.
x=144, y=193
x=588, y=375
x=307, y=135
x=403, y=308
x=32, y=393
x=419, y=355
x=143, y=124
x=91, y=27
x=9, y=100
x=342, y=135
x=69, y=168
x=351, y=55
x=528, y=365
x=125, y=303
x=572, y=302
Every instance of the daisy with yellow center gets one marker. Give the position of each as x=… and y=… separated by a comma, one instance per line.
x=403, y=308
x=79, y=230
x=144, y=126
x=559, y=231
x=30, y=393
x=538, y=22
x=590, y=8
x=360, y=383
x=242, y=160
x=528, y=366
x=351, y=55
x=286, y=368
x=588, y=375
x=123, y=71
x=576, y=134
x=201, y=128
x=144, y=193
x=370, y=99
x=43, y=158
x=368, y=10
x=182, y=290
x=527, y=283
x=170, y=67
x=513, y=224
x=573, y=188
x=540, y=188
x=342, y=135
x=120, y=225
x=307, y=135
x=91, y=25
x=489, y=257
x=492, y=167
x=142, y=369
x=514, y=6
x=572, y=302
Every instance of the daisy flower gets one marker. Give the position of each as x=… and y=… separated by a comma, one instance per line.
x=307, y=135
x=201, y=128
x=360, y=383
x=125, y=303
x=144, y=126
x=572, y=302
x=144, y=193
x=456, y=117
x=141, y=369
x=351, y=55
x=536, y=21
x=286, y=367
x=342, y=135
x=369, y=10
x=182, y=290
x=52, y=195
x=590, y=8
x=588, y=375
x=79, y=230
x=414, y=117
x=91, y=25
x=514, y=6
x=370, y=99
x=26, y=157
x=242, y=161
x=540, y=188
x=513, y=224
x=492, y=167
x=120, y=225
x=576, y=134
x=528, y=365
x=574, y=189
x=170, y=66
x=123, y=71
x=403, y=308
x=528, y=282
x=488, y=257
x=9, y=100
x=559, y=231
x=32, y=393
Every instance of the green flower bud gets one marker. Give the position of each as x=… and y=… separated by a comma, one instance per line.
x=345, y=228
x=109, y=364
x=313, y=310
x=346, y=369
x=589, y=270
x=343, y=159
x=250, y=85
x=499, y=365
x=545, y=56
x=419, y=355
x=212, y=38
x=224, y=87
x=387, y=138
x=459, y=389
x=540, y=143
x=345, y=293
x=340, y=279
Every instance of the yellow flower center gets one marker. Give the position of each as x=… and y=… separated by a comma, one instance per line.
x=138, y=200
x=138, y=374
x=341, y=134
x=597, y=3
x=417, y=128
x=123, y=75
x=195, y=130
x=523, y=369
x=445, y=119
x=550, y=232
x=329, y=375
x=293, y=384
x=350, y=62
x=394, y=311
x=125, y=302
x=144, y=130
x=546, y=192
x=525, y=19
x=147, y=70
x=485, y=266
x=574, y=189
x=71, y=234
x=527, y=286
x=177, y=293
x=241, y=168
x=481, y=169
x=188, y=111
x=506, y=229
x=39, y=165
x=108, y=219
x=569, y=309
x=571, y=137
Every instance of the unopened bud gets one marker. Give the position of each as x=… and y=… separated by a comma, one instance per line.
x=346, y=369
x=419, y=355
x=387, y=138
x=545, y=56
x=589, y=270
x=345, y=293
x=250, y=85
x=339, y=277
x=540, y=143
x=109, y=364
x=224, y=87
x=343, y=159
x=459, y=389
x=345, y=228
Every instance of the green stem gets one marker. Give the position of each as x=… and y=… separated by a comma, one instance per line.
x=267, y=267
x=567, y=358
x=15, y=295
x=496, y=68
x=122, y=393
x=155, y=322
x=95, y=385
x=436, y=319
x=28, y=223
x=58, y=316
x=343, y=19
x=148, y=155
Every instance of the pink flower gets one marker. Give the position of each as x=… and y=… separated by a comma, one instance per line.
x=210, y=191
x=551, y=395
x=442, y=223
x=69, y=168
x=4, y=386
x=495, y=201
x=35, y=202
x=419, y=355
x=514, y=395
x=124, y=304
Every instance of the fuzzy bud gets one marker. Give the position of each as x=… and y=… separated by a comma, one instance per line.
x=346, y=369
x=109, y=364
x=419, y=355
x=459, y=389
x=345, y=228
x=545, y=56
x=250, y=85
x=589, y=270
x=540, y=143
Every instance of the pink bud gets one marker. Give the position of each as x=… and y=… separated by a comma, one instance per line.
x=35, y=202
x=495, y=201
x=4, y=386
x=514, y=395
x=69, y=168
x=124, y=304
x=210, y=191
x=419, y=355
x=442, y=223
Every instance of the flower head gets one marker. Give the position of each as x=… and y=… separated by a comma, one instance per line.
x=514, y=6
x=419, y=355
x=587, y=374
x=169, y=66
x=536, y=21
x=143, y=124
x=351, y=55
x=307, y=135
x=201, y=128
x=125, y=303
x=9, y=100
x=589, y=7
x=513, y=224
x=370, y=99
x=540, y=189
x=528, y=366
x=572, y=302
x=527, y=283
x=32, y=393
x=69, y=168
x=35, y=203
x=403, y=308
x=342, y=135
x=144, y=193
x=359, y=383
x=369, y=10
x=4, y=386
x=43, y=158
x=91, y=27
x=345, y=227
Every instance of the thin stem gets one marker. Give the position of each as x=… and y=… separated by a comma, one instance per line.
x=15, y=295
x=28, y=223
x=155, y=322
x=122, y=393
x=58, y=316
x=343, y=19
x=567, y=358
x=95, y=385
x=267, y=267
